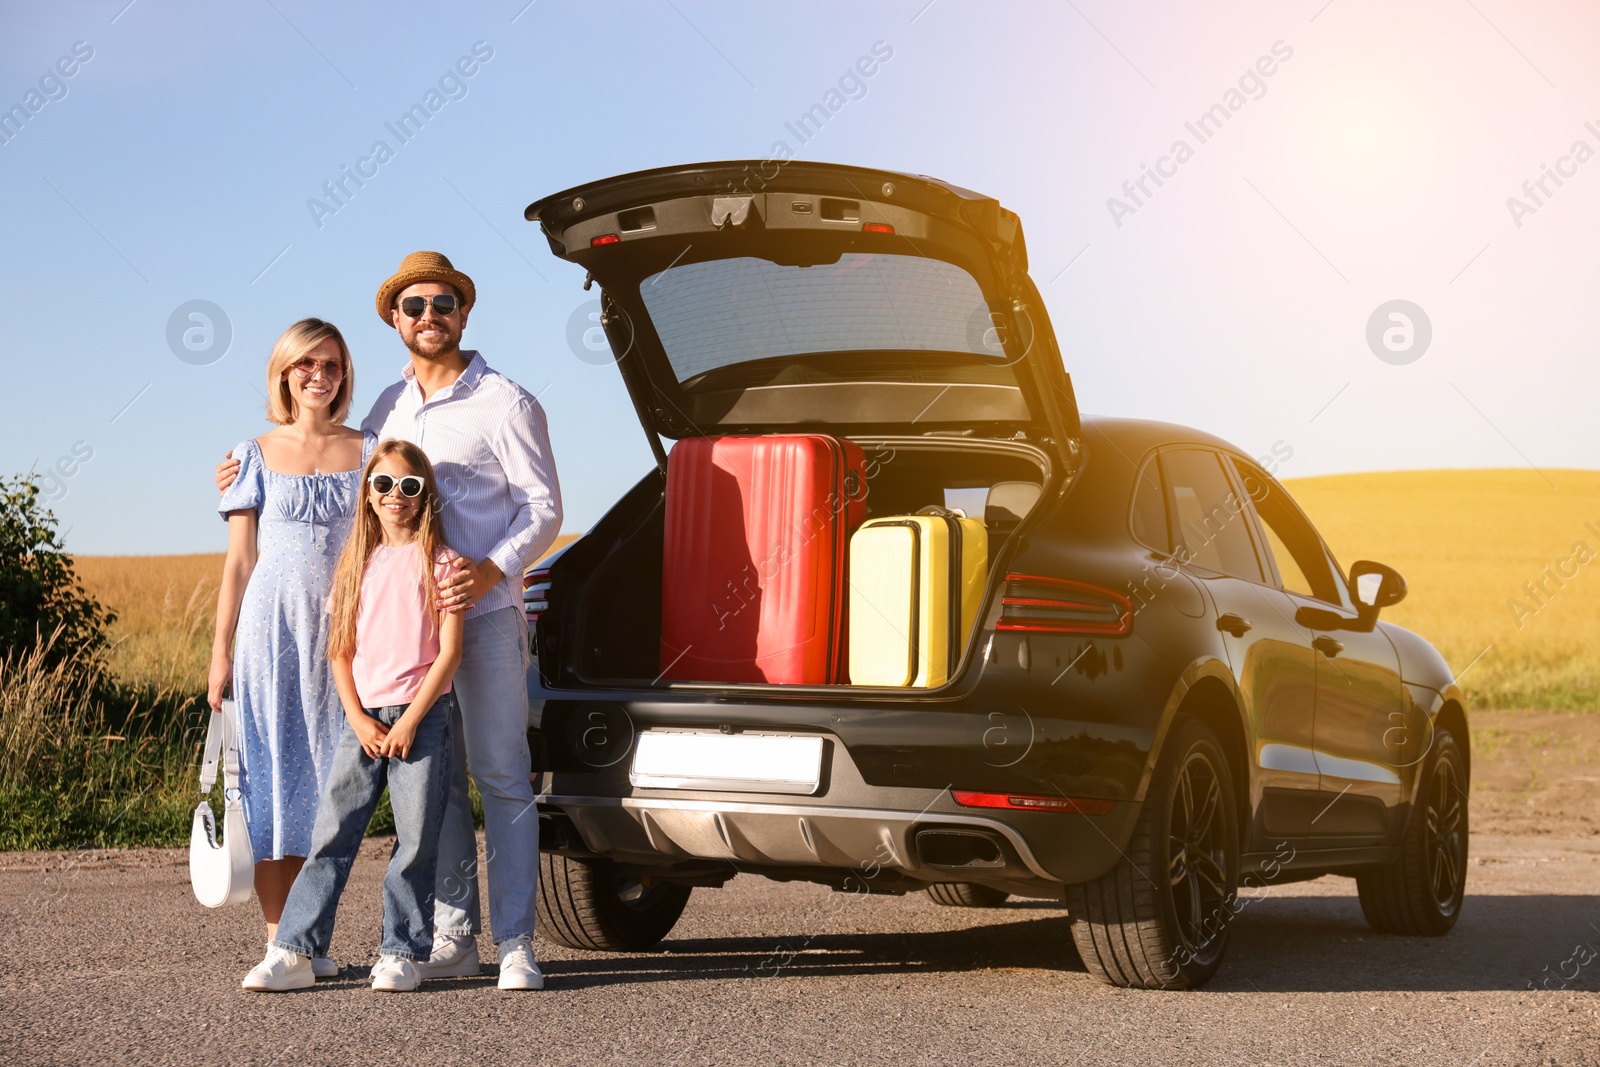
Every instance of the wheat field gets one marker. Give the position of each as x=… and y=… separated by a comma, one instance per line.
x=166, y=610
x=1466, y=541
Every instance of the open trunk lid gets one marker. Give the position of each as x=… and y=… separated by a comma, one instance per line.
x=758, y=297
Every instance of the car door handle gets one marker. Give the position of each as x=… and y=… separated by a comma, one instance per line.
x=1233, y=624
x=1327, y=646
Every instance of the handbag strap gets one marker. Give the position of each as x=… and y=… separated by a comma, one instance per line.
x=222, y=744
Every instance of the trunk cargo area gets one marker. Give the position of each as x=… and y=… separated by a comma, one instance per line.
x=604, y=627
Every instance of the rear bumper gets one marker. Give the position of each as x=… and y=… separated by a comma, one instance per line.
x=883, y=802
x=652, y=829
x=915, y=836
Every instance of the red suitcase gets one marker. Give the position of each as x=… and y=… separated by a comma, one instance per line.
x=757, y=534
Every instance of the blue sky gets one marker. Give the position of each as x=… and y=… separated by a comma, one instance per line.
x=1377, y=161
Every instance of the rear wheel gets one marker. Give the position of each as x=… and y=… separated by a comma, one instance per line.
x=1420, y=893
x=588, y=904
x=966, y=895
x=1159, y=919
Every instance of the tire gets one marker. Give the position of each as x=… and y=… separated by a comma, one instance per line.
x=587, y=904
x=1140, y=925
x=966, y=895
x=1419, y=895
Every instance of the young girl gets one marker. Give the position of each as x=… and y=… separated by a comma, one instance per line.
x=394, y=655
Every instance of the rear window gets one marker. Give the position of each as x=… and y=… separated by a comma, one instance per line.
x=1149, y=516
x=723, y=312
x=1209, y=518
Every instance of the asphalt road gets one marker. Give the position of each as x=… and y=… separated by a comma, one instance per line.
x=108, y=959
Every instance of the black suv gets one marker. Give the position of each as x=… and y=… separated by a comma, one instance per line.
x=1172, y=690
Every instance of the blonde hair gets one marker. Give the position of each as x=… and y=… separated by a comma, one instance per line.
x=296, y=343
x=367, y=534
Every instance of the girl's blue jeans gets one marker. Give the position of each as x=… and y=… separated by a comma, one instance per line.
x=417, y=787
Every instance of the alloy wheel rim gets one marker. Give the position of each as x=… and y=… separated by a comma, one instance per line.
x=1445, y=842
x=1197, y=871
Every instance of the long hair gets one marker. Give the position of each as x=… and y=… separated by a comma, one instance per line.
x=367, y=534
x=295, y=344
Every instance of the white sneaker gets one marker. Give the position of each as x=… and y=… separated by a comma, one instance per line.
x=282, y=970
x=453, y=956
x=517, y=968
x=323, y=967
x=391, y=974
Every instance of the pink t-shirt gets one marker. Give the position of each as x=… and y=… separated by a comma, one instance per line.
x=396, y=637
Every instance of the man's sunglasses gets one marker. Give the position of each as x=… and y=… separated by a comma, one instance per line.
x=443, y=304
x=410, y=485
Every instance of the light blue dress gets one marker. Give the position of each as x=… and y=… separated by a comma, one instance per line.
x=289, y=712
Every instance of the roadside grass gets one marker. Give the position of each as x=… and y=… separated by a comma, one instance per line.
x=88, y=762
x=99, y=755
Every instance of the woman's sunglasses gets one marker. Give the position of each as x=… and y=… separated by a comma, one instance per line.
x=332, y=369
x=443, y=304
x=410, y=485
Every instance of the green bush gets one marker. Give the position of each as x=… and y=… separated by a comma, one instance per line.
x=41, y=602
x=85, y=760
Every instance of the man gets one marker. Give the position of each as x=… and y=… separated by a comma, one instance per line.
x=487, y=440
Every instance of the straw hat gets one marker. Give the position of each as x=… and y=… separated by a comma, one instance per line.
x=423, y=267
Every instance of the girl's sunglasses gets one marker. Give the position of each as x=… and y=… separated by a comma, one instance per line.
x=443, y=304
x=410, y=485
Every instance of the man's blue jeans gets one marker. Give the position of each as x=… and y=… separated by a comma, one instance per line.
x=492, y=739
x=417, y=793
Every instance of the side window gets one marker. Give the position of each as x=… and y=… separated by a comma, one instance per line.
x=1296, y=549
x=1209, y=527
x=1149, y=516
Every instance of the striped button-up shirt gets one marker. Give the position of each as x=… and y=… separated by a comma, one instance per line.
x=490, y=448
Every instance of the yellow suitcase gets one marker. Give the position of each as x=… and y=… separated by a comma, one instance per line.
x=915, y=584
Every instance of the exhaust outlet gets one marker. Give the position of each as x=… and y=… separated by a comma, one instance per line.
x=973, y=850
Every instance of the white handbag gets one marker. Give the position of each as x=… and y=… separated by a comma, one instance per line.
x=221, y=873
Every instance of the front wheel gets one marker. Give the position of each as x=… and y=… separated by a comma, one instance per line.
x=588, y=904
x=1420, y=893
x=1159, y=918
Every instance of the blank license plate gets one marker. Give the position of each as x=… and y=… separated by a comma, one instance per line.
x=747, y=763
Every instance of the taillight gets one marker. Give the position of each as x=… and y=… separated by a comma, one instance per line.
x=1037, y=604
x=535, y=594
x=876, y=227
x=1025, y=802
x=604, y=239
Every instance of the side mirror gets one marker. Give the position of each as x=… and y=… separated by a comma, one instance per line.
x=1375, y=586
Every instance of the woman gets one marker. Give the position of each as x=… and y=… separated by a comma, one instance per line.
x=289, y=514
